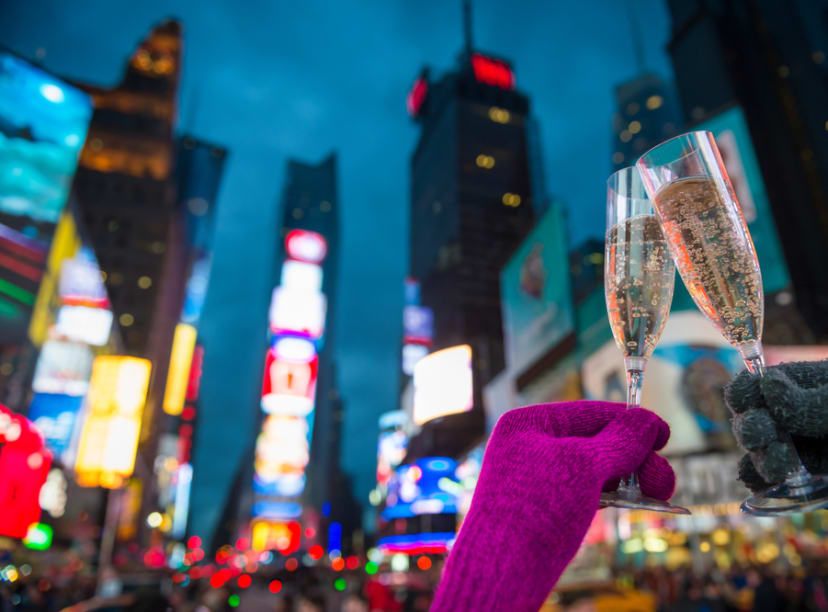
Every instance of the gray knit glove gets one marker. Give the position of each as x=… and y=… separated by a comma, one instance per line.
x=792, y=397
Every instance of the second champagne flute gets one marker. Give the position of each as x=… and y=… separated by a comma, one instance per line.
x=638, y=283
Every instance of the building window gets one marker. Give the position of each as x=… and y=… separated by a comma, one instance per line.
x=126, y=319
x=511, y=199
x=325, y=206
x=145, y=282
x=617, y=157
x=633, y=108
x=818, y=57
x=298, y=213
x=654, y=102
x=634, y=127
x=499, y=115
x=485, y=161
x=625, y=136
x=436, y=207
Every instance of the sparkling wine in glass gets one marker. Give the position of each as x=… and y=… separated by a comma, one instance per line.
x=638, y=284
x=713, y=251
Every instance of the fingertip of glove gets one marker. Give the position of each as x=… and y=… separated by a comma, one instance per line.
x=657, y=478
x=743, y=392
x=754, y=429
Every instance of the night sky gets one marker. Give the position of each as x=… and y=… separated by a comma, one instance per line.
x=271, y=80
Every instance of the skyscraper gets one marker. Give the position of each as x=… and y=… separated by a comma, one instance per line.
x=310, y=201
x=769, y=58
x=471, y=204
x=126, y=190
x=648, y=112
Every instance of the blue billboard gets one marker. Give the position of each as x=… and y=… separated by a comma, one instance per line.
x=428, y=486
x=536, y=294
x=54, y=415
x=43, y=123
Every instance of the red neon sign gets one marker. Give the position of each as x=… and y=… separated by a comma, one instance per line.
x=306, y=246
x=416, y=97
x=24, y=465
x=492, y=71
x=289, y=387
x=194, y=382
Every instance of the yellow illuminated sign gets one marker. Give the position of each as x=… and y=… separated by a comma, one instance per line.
x=117, y=393
x=65, y=243
x=181, y=359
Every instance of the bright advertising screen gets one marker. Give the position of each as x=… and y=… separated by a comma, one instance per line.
x=443, y=384
x=43, y=123
x=297, y=323
x=55, y=416
x=536, y=295
x=429, y=486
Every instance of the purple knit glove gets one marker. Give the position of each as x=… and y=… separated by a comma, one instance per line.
x=538, y=491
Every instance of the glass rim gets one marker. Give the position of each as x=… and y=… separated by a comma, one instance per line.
x=669, y=140
x=633, y=171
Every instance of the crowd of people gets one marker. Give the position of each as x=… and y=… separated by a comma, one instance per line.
x=742, y=588
x=312, y=589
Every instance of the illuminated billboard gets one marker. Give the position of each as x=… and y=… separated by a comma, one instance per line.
x=84, y=324
x=63, y=367
x=24, y=467
x=109, y=439
x=443, y=384
x=418, y=325
x=429, y=486
x=735, y=144
x=535, y=293
x=683, y=383
x=54, y=415
x=306, y=246
x=178, y=376
x=43, y=123
x=297, y=323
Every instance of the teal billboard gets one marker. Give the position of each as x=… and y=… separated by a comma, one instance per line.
x=535, y=293
x=732, y=135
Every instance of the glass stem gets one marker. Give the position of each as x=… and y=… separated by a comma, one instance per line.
x=635, y=376
x=799, y=474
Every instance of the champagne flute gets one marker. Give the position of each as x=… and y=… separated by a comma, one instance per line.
x=638, y=284
x=713, y=251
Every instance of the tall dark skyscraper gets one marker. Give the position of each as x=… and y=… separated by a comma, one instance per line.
x=648, y=112
x=471, y=204
x=125, y=188
x=769, y=57
x=310, y=201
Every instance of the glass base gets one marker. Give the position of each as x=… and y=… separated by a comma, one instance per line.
x=617, y=499
x=806, y=496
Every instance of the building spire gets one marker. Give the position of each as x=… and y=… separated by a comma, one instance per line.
x=467, y=27
x=635, y=35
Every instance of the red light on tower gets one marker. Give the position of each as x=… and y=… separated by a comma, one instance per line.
x=416, y=97
x=306, y=246
x=492, y=71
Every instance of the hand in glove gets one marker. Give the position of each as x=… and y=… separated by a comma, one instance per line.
x=791, y=397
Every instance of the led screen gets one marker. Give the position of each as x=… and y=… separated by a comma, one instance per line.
x=43, y=123
x=443, y=384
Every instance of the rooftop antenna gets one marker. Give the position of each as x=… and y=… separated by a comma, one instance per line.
x=635, y=31
x=467, y=27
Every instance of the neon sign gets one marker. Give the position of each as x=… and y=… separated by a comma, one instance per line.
x=492, y=71
x=416, y=97
x=24, y=467
x=306, y=246
x=109, y=441
x=443, y=384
